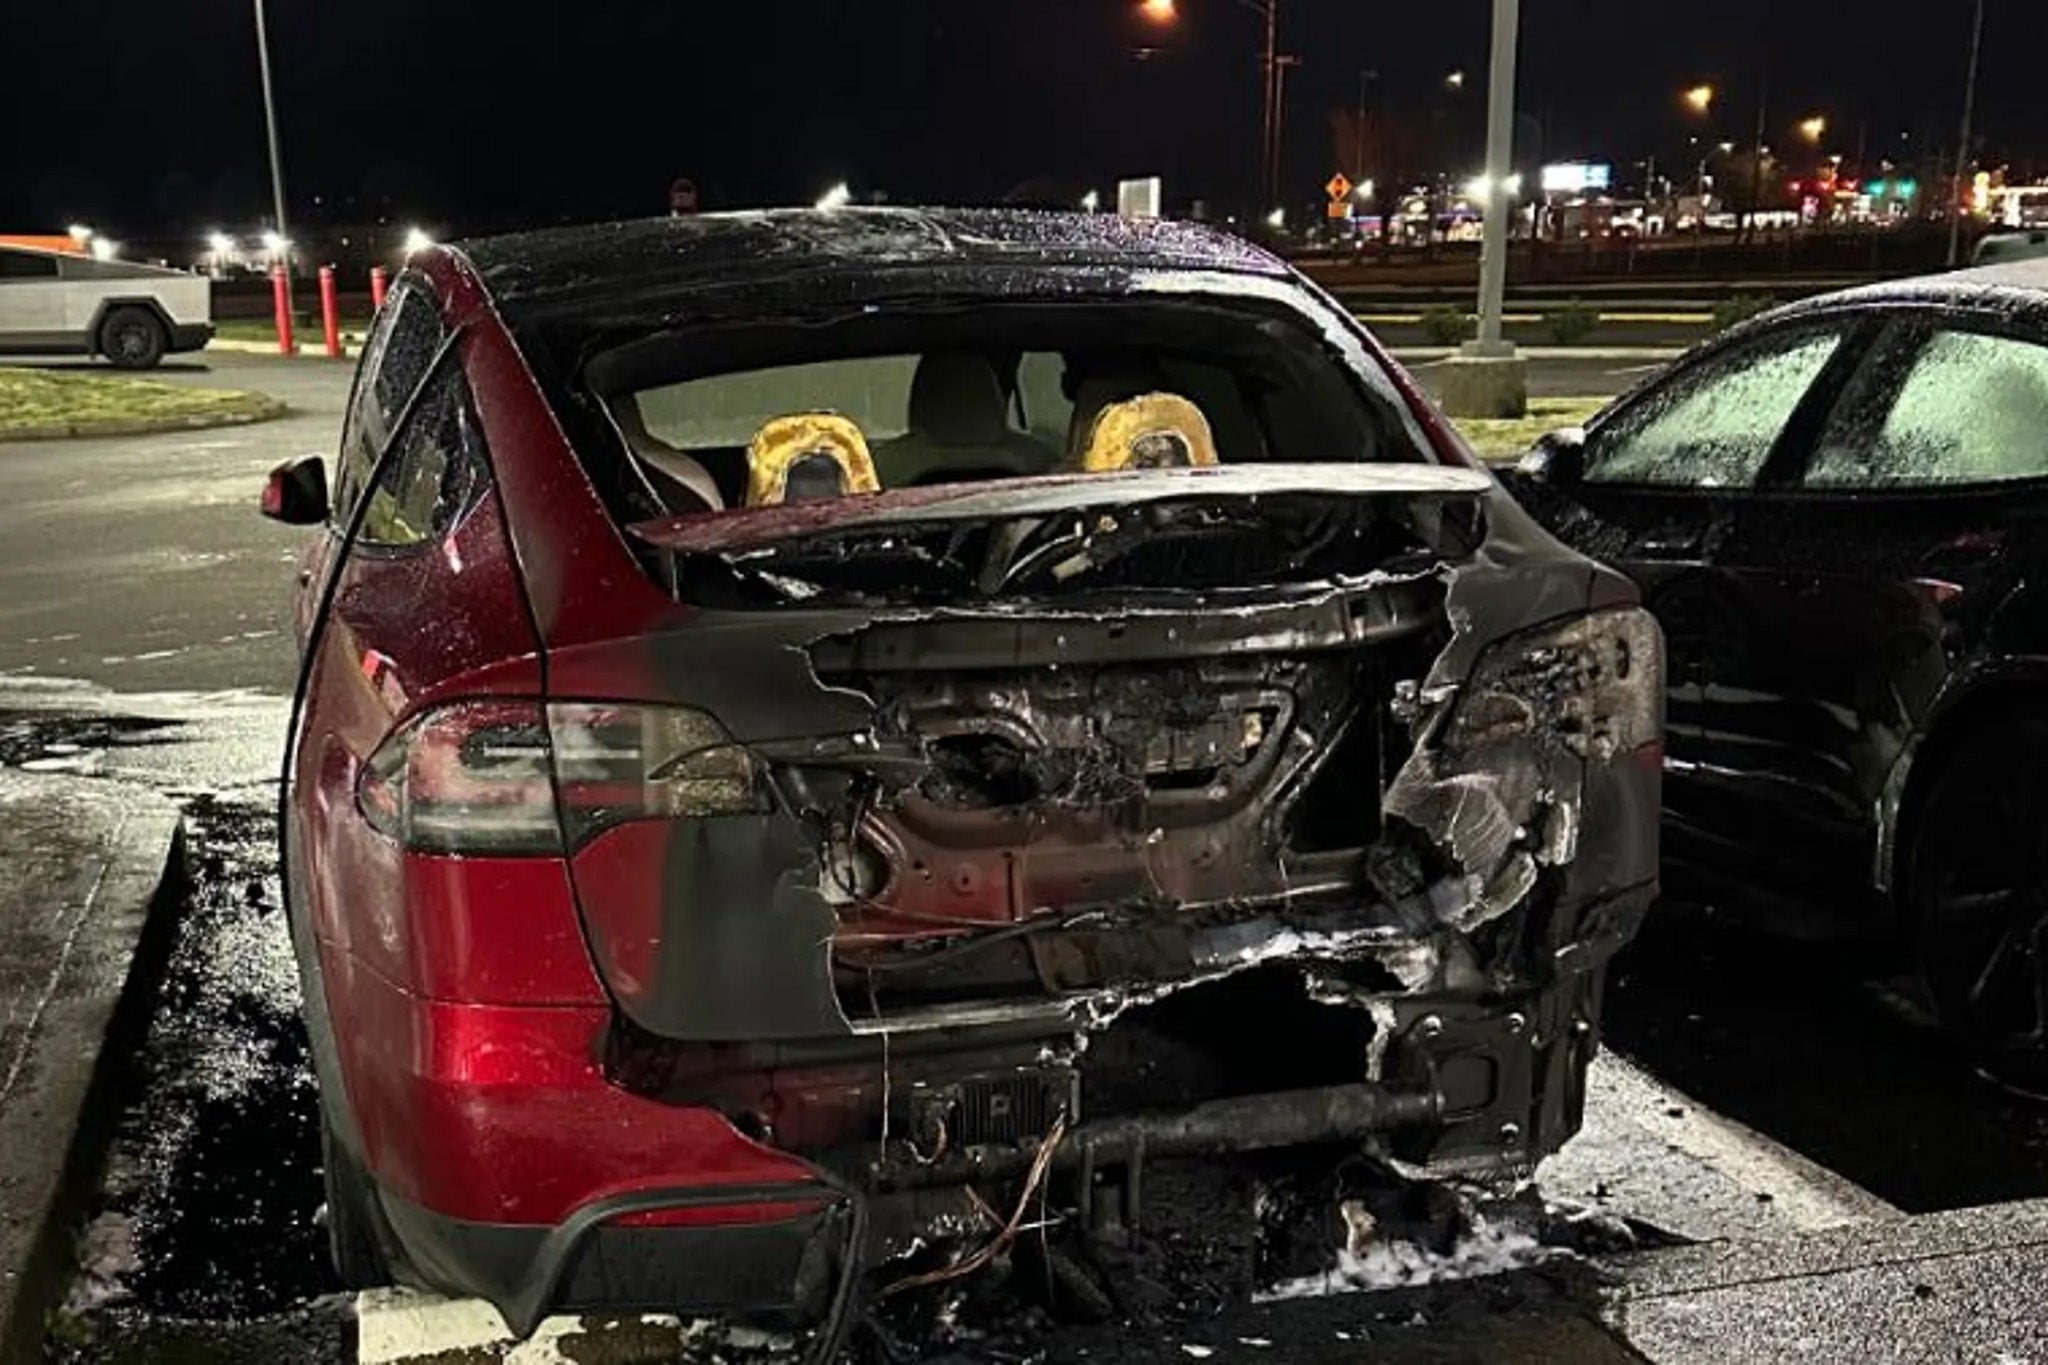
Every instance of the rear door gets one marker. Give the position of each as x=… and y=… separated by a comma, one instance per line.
x=426, y=596
x=1883, y=549
x=1669, y=477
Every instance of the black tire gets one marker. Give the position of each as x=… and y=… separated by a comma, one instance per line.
x=133, y=339
x=1977, y=889
x=354, y=1223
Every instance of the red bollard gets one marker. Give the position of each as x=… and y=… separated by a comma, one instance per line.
x=281, y=294
x=378, y=279
x=330, y=311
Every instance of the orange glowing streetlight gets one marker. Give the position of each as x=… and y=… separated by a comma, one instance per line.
x=1700, y=99
x=1160, y=11
x=1814, y=129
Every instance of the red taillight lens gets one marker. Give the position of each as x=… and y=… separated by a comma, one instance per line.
x=512, y=778
x=616, y=763
x=471, y=777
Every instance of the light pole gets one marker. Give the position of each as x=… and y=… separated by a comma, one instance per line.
x=1486, y=378
x=1167, y=12
x=1500, y=137
x=276, y=162
x=1955, y=206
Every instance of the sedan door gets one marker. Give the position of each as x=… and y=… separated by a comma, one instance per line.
x=1872, y=570
x=1668, y=474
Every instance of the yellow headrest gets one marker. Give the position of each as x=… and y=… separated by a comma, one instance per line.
x=786, y=442
x=1151, y=431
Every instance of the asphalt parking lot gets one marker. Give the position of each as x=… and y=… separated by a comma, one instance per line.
x=1770, y=1093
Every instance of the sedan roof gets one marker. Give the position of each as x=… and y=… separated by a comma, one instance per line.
x=547, y=269
x=2015, y=287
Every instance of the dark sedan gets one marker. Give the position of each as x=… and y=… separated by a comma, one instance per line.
x=1837, y=514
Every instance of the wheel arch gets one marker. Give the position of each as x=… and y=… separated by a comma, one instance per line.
x=147, y=302
x=1969, y=706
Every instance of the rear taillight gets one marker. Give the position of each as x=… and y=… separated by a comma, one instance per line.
x=1594, y=683
x=516, y=778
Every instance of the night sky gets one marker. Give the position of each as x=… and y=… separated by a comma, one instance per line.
x=144, y=117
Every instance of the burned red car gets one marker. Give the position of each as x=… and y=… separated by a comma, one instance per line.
x=815, y=724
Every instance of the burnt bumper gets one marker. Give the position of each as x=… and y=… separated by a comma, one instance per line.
x=1465, y=1084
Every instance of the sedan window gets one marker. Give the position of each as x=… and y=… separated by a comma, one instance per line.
x=1714, y=425
x=1970, y=408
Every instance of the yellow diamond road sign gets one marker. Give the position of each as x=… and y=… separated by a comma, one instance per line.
x=1338, y=187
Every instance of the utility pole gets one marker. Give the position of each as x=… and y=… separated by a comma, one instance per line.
x=276, y=162
x=1269, y=174
x=1280, y=64
x=1756, y=160
x=1365, y=78
x=1955, y=206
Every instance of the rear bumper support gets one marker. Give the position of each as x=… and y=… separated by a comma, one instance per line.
x=1252, y=1123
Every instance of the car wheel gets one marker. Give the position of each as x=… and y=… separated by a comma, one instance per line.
x=133, y=339
x=1977, y=887
x=353, y=1220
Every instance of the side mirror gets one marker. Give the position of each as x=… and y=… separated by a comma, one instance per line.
x=296, y=492
x=1559, y=458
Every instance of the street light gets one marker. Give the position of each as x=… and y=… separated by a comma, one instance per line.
x=1814, y=129
x=417, y=239
x=1091, y=201
x=1167, y=11
x=1455, y=82
x=276, y=162
x=1955, y=205
x=1700, y=99
x=838, y=197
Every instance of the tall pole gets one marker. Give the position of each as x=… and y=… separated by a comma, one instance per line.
x=1955, y=206
x=1500, y=137
x=276, y=162
x=1756, y=160
x=1358, y=167
x=1269, y=175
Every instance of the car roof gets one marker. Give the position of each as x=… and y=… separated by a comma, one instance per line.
x=557, y=266
x=2018, y=287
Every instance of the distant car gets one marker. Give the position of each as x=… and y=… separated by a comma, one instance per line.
x=1839, y=513
x=1999, y=248
x=820, y=709
x=57, y=303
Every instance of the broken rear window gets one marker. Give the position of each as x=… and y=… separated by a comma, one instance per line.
x=718, y=418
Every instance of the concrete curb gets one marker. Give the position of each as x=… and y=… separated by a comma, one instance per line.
x=349, y=350
x=74, y=1028
x=1423, y=355
x=1658, y=318
x=261, y=408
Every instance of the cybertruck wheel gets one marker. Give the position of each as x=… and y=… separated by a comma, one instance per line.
x=1977, y=887
x=133, y=339
x=353, y=1220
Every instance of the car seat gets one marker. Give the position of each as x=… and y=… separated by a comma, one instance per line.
x=681, y=480
x=808, y=455
x=1151, y=431
x=958, y=422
